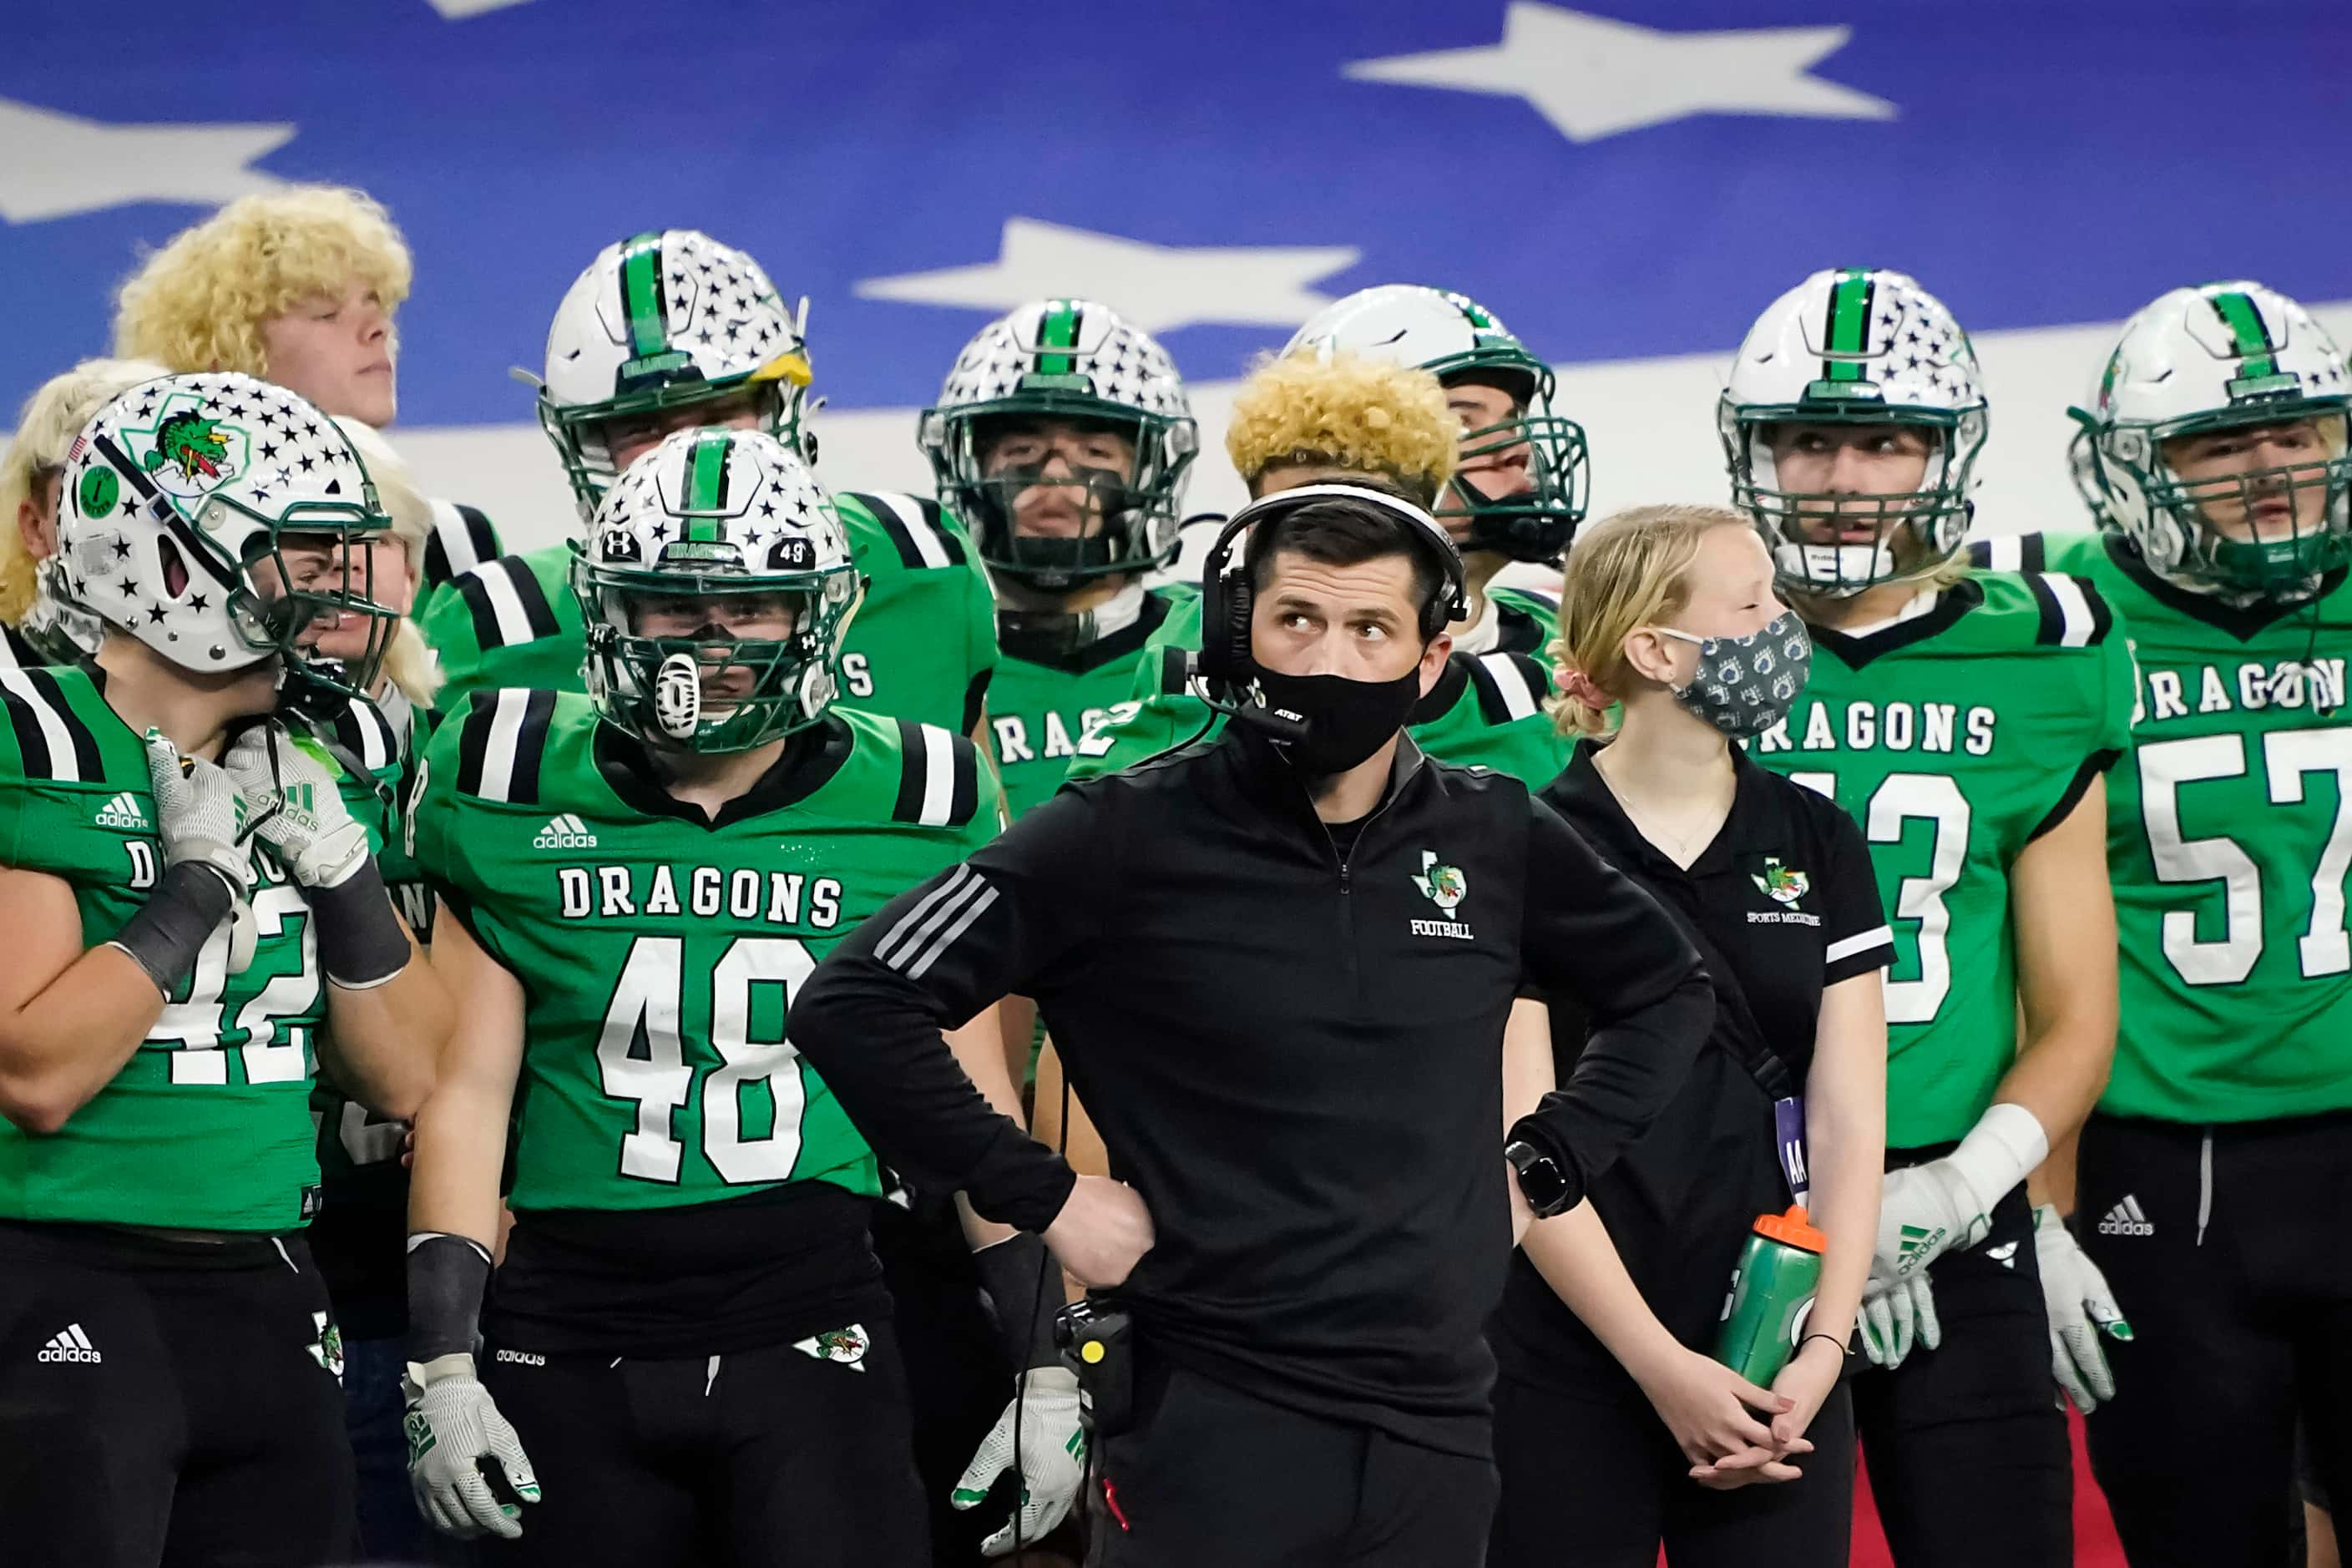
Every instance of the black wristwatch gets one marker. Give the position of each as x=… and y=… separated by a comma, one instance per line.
x=1541, y=1181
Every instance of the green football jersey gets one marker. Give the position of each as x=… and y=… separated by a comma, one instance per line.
x=922, y=646
x=1486, y=711
x=1955, y=738
x=2229, y=835
x=208, y=1126
x=1040, y=714
x=658, y=952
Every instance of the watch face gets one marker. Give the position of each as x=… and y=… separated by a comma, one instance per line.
x=1541, y=1181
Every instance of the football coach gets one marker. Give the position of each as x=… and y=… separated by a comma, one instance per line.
x=1277, y=964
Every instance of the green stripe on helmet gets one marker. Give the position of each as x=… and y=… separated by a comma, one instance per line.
x=1849, y=322
x=642, y=297
x=1058, y=331
x=2244, y=319
x=706, y=485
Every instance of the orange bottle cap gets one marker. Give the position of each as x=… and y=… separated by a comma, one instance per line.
x=1793, y=1230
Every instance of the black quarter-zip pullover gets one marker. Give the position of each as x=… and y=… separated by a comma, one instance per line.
x=1292, y=1052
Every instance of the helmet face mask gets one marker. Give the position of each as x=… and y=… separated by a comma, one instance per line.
x=1457, y=339
x=1856, y=348
x=1906, y=533
x=1076, y=362
x=2200, y=367
x=712, y=537
x=1537, y=523
x=214, y=518
x=666, y=320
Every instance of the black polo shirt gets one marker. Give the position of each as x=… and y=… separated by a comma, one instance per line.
x=1785, y=894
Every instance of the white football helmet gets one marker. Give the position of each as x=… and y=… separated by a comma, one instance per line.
x=1456, y=339
x=664, y=319
x=55, y=627
x=707, y=514
x=182, y=487
x=1074, y=360
x=1852, y=347
x=2213, y=358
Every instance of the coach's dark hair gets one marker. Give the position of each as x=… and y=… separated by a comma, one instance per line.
x=1339, y=531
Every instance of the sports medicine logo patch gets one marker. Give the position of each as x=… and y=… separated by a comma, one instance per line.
x=1780, y=883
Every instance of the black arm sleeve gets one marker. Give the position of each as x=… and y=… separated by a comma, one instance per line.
x=870, y=1018
x=1591, y=934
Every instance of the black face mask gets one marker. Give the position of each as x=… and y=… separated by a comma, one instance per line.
x=1325, y=724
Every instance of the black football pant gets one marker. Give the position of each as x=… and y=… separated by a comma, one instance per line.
x=957, y=1377
x=1592, y=1483
x=1966, y=1444
x=2225, y=1249
x=1207, y=1473
x=773, y=1457
x=171, y=1404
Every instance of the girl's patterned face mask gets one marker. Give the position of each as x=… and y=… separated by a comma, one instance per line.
x=1744, y=685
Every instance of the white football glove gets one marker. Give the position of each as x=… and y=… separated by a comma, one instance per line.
x=300, y=806
x=1052, y=1459
x=1924, y=1212
x=198, y=815
x=1895, y=1312
x=453, y=1425
x=2081, y=1309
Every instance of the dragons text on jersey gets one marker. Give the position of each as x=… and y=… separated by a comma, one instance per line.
x=1956, y=737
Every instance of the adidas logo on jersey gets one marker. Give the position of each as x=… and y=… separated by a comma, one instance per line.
x=123, y=811
x=70, y=1344
x=564, y=831
x=2126, y=1219
x=523, y=1357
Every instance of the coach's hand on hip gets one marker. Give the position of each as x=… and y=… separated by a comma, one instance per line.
x=1103, y=1229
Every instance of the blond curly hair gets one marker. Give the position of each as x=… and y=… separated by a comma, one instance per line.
x=408, y=663
x=1345, y=411
x=198, y=303
x=45, y=428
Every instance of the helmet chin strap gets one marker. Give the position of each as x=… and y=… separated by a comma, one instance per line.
x=1044, y=633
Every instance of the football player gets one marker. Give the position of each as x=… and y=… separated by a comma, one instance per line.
x=1521, y=476
x=672, y=331
x=190, y=912
x=2213, y=454
x=1304, y=417
x=300, y=287
x=1967, y=722
x=378, y=737
x=1062, y=437
x=689, y=1334
x=36, y=626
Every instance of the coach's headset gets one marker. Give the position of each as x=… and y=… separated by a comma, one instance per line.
x=1225, y=672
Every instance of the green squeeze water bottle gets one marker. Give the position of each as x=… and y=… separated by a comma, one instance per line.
x=1771, y=1296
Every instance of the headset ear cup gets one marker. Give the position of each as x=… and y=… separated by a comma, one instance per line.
x=1240, y=598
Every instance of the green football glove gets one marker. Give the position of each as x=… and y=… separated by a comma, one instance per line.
x=453, y=1425
x=1052, y=1459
